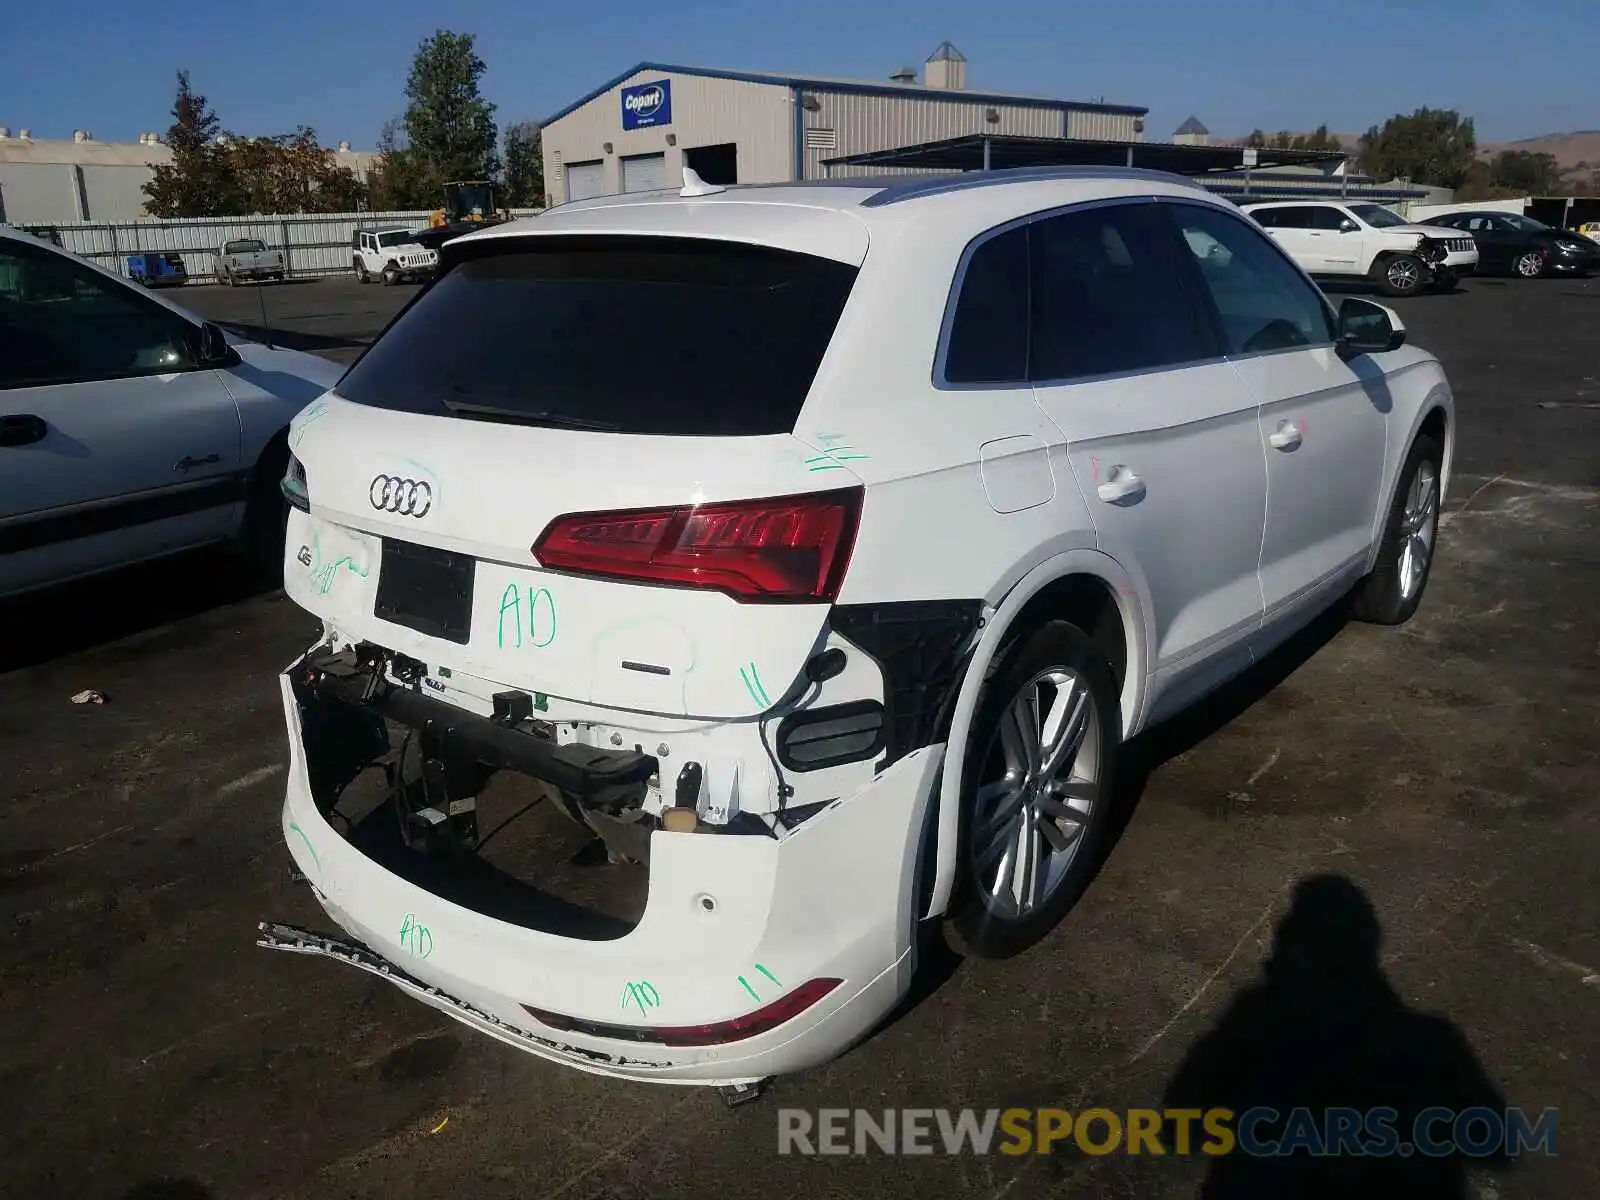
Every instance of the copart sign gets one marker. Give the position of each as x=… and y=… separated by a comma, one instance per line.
x=647, y=104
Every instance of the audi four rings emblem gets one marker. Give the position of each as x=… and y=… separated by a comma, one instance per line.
x=408, y=497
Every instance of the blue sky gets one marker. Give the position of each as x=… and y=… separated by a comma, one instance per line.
x=340, y=67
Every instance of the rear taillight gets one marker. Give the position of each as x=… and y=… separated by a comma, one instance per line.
x=790, y=549
x=717, y=1033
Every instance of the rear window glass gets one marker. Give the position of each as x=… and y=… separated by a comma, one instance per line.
x=638, y=335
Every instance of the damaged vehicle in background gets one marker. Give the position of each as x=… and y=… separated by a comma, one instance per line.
x=622, y=515
x=1361, y=240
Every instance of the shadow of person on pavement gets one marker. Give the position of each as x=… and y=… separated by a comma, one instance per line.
x=1324, y=1031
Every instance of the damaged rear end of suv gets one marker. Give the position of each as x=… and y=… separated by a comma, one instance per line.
x=566, y=545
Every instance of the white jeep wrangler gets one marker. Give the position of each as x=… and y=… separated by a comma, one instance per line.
x=1362, y=240
x=390, y=255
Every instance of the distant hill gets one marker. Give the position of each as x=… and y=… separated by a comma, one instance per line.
x=1568, y=149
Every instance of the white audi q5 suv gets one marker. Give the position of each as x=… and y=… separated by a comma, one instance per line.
x=818, y=546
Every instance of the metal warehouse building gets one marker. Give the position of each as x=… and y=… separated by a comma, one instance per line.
x=50, y=181
x=636, y=132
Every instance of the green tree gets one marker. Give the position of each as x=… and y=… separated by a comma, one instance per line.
x=195, y=183
x=1434, y=146
x=524, y=176
x=401, y=181
x=448, y=123
x=1525, y=172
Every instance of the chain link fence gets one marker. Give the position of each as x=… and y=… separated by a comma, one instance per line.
x=313, y=243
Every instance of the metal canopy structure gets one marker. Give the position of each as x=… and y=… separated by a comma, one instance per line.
x=985, y=152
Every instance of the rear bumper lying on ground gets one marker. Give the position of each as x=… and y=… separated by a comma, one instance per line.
x=739, y=933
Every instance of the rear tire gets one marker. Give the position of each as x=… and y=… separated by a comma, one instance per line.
x=1530, y=264
x=1401, y=275
x=1036, y=798
x=1391, y=594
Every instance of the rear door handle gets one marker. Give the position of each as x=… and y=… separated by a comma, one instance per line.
x=1121, y=485
x=22, y=429
x=1287, y=437
x=186, y=462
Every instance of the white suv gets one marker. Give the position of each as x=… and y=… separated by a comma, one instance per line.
x=820, y=546
x=390, y=255
x=1367, y=241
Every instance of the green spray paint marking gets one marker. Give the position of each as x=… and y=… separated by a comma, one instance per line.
x=768, y=974
x=833, y=457
x=541, y=617
x=510, y=601
x=310, y=849
x=316, y=413
x=323, y=573
x=414, y=936
x=749, y=989
x=752, y=684
x=641, y=995
x=745, y=983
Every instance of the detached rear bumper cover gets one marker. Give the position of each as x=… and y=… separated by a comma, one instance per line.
x=833, y=899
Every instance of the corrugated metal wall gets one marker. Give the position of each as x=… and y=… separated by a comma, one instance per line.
x=757, y=117
x=1102, y=126
x=38, y=193
x=317, y=243
x=863, y=122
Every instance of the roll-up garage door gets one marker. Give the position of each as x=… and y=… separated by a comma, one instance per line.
x=644, y=173
x=586, y=179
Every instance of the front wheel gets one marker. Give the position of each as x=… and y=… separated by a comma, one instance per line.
x=1529, y=264
x=1391, y=593
x=267, y=517
x=1036, y=797
x=361, y=272
x=1401, y=275
x=391, y=276
x=223, y=277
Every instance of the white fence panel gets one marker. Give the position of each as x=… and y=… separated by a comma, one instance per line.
x=315, y=243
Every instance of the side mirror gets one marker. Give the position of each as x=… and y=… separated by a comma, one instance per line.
x=214, y=348
x=1348, y=226
x=1368, y=328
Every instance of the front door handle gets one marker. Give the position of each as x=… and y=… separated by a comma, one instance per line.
x=23, y=429
x=1122, y=485
x=1287, y=437
x=187, y=463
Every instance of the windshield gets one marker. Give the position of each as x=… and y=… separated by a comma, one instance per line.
x=638, y=334
x=400, y=237
x=1524, y=224
x=244, y=246
x=1377, y=216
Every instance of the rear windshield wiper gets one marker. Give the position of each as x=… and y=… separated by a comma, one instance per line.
x=525, y=416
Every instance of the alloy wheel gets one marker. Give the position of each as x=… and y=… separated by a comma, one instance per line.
x=1418, y=526
x=1039, y=789
x=1402, y=274
x=1530, y=264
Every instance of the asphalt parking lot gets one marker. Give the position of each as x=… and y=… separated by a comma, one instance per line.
x=1448, y=770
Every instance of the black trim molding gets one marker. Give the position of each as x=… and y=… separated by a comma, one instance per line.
x=120, y=512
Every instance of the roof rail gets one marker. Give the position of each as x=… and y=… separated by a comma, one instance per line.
x=915, y=188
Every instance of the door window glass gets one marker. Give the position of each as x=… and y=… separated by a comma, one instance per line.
x=62, y=323
x=1263, y=303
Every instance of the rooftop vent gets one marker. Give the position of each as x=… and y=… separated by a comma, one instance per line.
x=25, y=134
x=344, y=147
x=82, y=135
x=5, y=131
x=905, y=75
x=946, y=68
